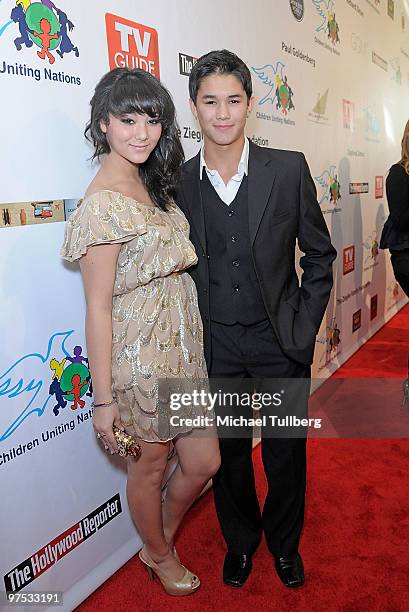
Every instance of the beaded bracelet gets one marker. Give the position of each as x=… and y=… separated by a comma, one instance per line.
x=94, y=405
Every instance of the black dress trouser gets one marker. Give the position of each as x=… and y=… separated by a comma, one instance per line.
x=252, y=351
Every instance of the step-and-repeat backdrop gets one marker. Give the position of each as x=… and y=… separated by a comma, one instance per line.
x=331, y=78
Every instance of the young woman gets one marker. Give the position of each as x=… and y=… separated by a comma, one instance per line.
x=395, y=234
x=142, y=320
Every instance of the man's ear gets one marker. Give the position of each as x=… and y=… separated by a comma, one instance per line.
x=193, y=108
x=250, y=105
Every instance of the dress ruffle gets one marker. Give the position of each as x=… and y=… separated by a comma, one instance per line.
x=105, y=217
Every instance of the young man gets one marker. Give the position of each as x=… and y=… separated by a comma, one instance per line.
x=247, y=206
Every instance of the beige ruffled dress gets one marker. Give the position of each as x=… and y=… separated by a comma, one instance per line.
x=157, y=330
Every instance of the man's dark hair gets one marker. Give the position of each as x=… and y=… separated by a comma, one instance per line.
x=219, y=62
x=123, y=91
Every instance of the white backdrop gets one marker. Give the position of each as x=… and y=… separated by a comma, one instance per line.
x=342, y=72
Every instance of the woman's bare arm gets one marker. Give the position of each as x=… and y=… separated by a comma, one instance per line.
x=98, y=268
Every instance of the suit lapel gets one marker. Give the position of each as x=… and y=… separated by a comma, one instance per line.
x=193, y=198
x=261, y=178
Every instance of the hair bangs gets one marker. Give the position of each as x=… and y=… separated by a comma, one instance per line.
x=132, y=94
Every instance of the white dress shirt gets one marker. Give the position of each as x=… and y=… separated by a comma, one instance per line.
x=228, y=192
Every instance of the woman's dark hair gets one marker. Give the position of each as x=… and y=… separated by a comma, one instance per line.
x=122, y=91
x=219, y=62
x=405, y=148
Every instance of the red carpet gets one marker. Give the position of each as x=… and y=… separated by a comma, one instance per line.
x=356, y=534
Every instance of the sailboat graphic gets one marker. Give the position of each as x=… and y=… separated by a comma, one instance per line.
x=321, y=104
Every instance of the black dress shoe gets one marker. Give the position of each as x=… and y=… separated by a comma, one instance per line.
x=290, y=570
x=236, y=569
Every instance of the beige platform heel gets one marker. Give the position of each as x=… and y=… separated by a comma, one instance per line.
x=185, y=586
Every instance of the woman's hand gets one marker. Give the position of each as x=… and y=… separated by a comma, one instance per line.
x=103, y=420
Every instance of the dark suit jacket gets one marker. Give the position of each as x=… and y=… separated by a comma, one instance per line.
x=282, y=209
x=395, y=234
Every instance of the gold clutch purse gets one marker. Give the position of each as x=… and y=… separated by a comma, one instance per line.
x=127, y=445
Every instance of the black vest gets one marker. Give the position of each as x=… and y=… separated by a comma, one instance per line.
x=235, y=295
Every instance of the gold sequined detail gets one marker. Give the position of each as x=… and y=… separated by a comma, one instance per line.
x=156, y=326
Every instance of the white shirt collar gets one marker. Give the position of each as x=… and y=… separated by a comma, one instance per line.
x=242, y=169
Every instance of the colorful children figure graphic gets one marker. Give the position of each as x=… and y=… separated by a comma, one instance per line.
x=76, y=391
x=334, y=338
x=66, y=383
x=18, y=16
x=334, y=190
x=333, y=28
x=57, y=367
x=90, y=388
x=43, y=23
x=66, y=45
x=78, y=357
x=24, y=3
x=55, y=389
x=46, y=38
x=284, y=95
x=49, y=4
x=277, y=92
x=290, y=94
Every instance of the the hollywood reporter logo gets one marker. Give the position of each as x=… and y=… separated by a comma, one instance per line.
x=132, y=45
x=44, y=558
